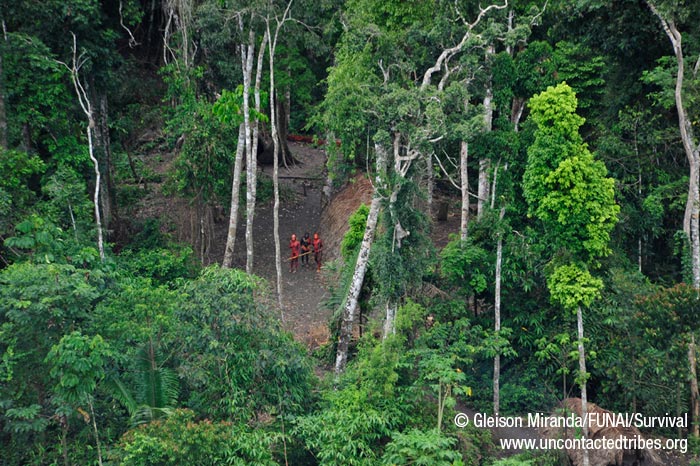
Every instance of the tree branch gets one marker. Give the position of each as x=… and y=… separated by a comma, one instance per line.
x=458, y=48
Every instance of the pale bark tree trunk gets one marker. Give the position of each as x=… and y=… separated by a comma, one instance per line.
x=235, y=200
x=178, y=12
x=464, y=178
x=276, y=212
x=694, y=394
x=693, y=211
x=483, y=187
x=497, y=320
x=247, y=52
x=96, y=196
x=691, y=220
x=274, y=123
x=86, y=106
x=485, y=164
x=252, y=149
x=356, y=285
x=360, y=266
x=517, y=112
x=582, y=375
x=97, y=436
x=390, y=319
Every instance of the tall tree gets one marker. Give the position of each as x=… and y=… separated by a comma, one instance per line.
x=274, y=124
x=669, y=17
x=567, y=190
x=404, y=113
x=84, y=100
x=672, y=16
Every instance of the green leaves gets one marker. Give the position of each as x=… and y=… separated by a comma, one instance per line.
x=419, y=447
x=77, y=364
x=580, y=205
x=182, y=439
x=353, y=237
x=572, y=286
x=566, y=188
x=464, y=266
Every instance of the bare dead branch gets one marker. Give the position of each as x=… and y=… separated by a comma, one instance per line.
x=458, y=48
x=444, y=171
x=132, y=39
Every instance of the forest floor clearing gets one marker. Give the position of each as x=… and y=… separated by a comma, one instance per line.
x=300, y=212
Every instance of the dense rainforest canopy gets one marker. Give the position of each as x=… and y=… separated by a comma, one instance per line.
x=529, y=231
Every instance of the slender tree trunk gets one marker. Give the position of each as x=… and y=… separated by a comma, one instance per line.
x=464, y=178
x=235, y=199
x=517, y=112
x=694, y=208
x=360, y=266
x=86, y=106
x=275, y=170
x=582, y=375
x=72, y=221
x=247, y=53
x=390, y=319
x=64, y=436
x=356, y=285
x=392, y=305
x=97, y=437
x=96, y=195
x=694, y=394
x=485, y=164
x=202, y=243
x=274, y=119
x=483, y=188
x=691, y=220
x=497, y=320
x=252, y=149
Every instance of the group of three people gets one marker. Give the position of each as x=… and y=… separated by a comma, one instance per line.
x=302, y=249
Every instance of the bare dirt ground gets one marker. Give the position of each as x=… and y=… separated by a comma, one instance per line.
x=300, y=212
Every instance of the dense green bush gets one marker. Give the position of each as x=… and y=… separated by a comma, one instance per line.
x=183, y=439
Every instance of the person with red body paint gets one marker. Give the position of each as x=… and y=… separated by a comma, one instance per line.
x=295, y=246
x=318, y=250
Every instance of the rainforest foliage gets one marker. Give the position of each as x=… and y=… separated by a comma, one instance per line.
x=560, y=137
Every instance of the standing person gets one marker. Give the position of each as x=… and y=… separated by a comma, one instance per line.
x=318, y=251
x=295, y=246
x=305, y=249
